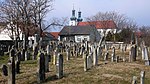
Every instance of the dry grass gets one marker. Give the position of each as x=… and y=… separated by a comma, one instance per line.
x=110, y=73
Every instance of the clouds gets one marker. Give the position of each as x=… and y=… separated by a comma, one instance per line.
x=139, y=10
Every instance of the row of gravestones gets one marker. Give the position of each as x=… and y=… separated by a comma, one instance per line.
x=12, y=68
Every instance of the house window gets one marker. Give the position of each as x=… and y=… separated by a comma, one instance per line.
x=85, y=39
x=79, y=39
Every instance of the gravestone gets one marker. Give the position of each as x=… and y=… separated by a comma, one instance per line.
x=11, y=71
x=23, y=55
x=59, y=66
x=27, y=55
x=48, y=53
x=85, y=61
x=134, y=80
x=106, y=56
x=4, y=70
x=112, y=57
x=89, y=61
x=17, y=63
x=68, y=54
x=46, y=62
x=30, y=43
x=113, y=54
x=41, y=68
x=117, y=59
x=55, y=57
x=142, y=77
x=95, y=58
x=35, y=51
x=36, y=39
x=146, y=56
x=132, y=56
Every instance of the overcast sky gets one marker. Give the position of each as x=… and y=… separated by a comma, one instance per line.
x=138, y=10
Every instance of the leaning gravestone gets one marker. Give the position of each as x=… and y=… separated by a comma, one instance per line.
x=59, y=66
x=41, y=68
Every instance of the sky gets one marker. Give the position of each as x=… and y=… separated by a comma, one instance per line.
x=137, y=10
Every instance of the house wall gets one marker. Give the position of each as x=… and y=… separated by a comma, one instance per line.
x=67, y=38
x=80, y=38
x=102, y=31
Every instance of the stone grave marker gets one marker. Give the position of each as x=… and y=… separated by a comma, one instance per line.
x=4, y=70
x=146, y=56
x=46, y=62
x=89, y=61
x=68, y=54
x=11, y=71
x=27, y=57
x=95, y=58
x=59, y=66
x=41, y=68
x=85, y=61
x=142, y=77
x=134, y=80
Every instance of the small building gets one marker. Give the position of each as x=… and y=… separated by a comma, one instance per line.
x=79, y=34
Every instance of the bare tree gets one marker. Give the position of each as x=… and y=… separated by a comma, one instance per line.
x=120, y=20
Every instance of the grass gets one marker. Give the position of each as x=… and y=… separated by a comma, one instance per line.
x=110, y=73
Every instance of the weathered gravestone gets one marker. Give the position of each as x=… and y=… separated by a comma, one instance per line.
x=95, y=58
x=48, y=53
x=89, y=61
x=134, y=80
x=35, y=51
x=85, y=61
x=11, y=71
x=146, y=56
x=23, y=55
x=59, y=66
x=133, y=55
x=41, y=68
x=4, y=70
x=142, y=77
x=113, y=54
x=46, y=62
x=106, y=56
x=55, y=53
x=27, y=57
x=67, y=54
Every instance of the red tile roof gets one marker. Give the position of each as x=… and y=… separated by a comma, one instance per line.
x=109, y=24
x=138, y=34
x=55, y=34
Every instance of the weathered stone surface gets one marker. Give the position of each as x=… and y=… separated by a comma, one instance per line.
x=41, y=68
x=59, y=66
